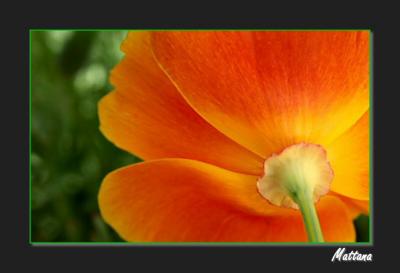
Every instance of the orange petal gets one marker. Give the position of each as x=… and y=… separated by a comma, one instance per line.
x=148, y=117
x=354, y=206
x=271, y=89
x=177, y=200
x=349, y=157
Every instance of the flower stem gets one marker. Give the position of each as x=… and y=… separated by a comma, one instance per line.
x=310, y=217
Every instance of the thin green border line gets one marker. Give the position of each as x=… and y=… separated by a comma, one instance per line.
x=150, y=244
x=371, y=137
x=200, y=29
x=30, y=136
x=217, y=244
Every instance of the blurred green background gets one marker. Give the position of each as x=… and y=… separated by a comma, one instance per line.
x=69, y=155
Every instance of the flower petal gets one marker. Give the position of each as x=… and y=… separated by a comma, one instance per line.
x=177, y=200
x=271, y=89
x=349, y=157
x=148, y=117
x=354, y=206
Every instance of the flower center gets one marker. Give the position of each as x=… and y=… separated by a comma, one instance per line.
x=301, y=170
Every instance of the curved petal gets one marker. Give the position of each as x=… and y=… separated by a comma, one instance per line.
x=354, y=206
x=180, y=200
x=148, y=117
x=271, y=89
x=349, y=157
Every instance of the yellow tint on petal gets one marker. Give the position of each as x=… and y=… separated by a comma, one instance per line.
x=349, y=156
x=268, y=90
x=354, y=206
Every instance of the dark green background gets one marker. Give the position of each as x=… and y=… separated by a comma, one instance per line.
x=69, y=155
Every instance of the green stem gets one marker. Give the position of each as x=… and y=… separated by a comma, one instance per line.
x=310, y=217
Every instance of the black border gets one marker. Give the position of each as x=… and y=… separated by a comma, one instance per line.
x=15, y=112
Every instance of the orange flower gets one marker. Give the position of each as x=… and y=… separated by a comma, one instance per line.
x=207, y=110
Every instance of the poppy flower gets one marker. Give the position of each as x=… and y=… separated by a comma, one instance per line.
x=246, y=136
